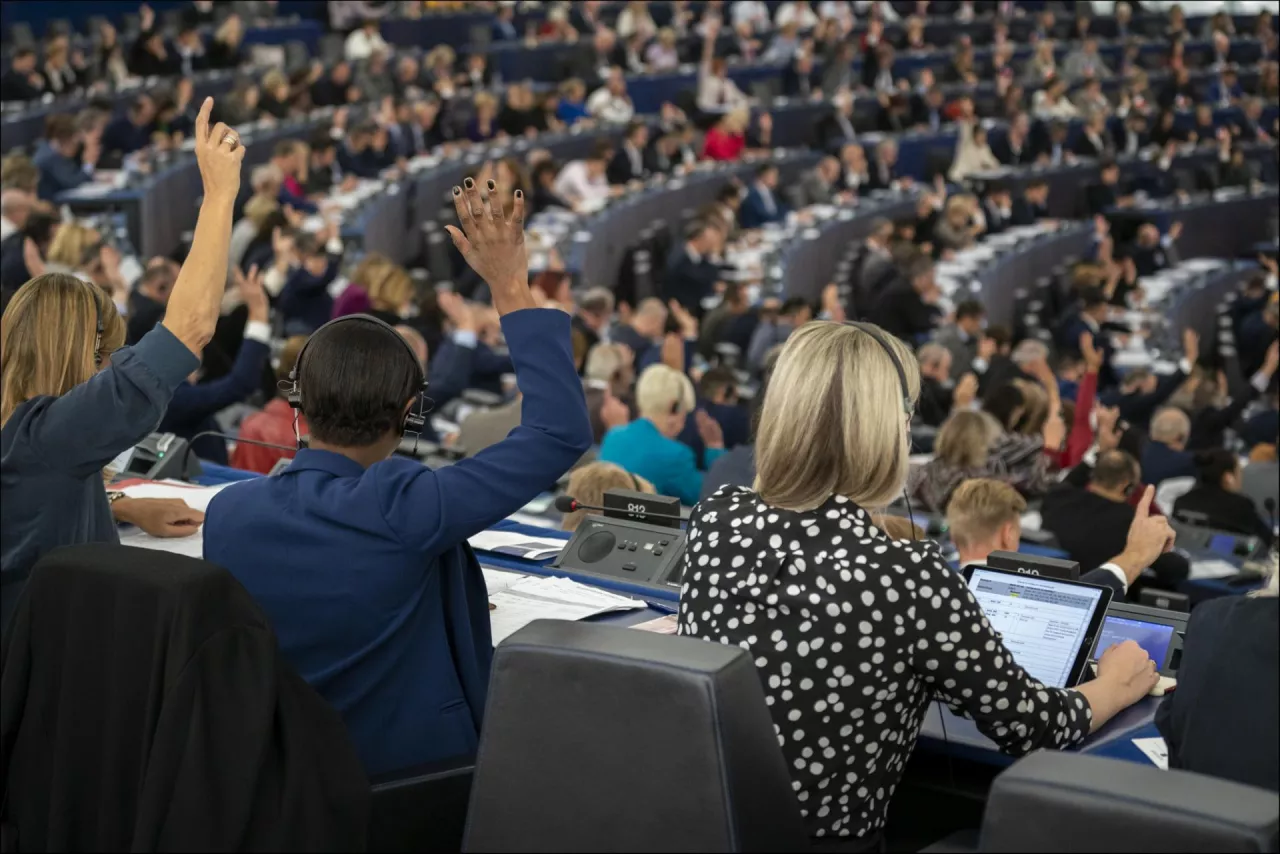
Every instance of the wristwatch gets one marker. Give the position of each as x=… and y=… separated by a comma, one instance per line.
x=113, y=496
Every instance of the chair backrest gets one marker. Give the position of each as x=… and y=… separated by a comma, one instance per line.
x=603, y=738
x=1054, y=801
x=1171, y=489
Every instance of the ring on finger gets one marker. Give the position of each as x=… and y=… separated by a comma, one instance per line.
x=231, y=138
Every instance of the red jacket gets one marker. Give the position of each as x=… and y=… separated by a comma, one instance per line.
x=723, y=146
x=273, y=424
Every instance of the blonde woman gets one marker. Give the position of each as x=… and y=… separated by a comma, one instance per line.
x=961, y=452
x=70, y=403
x=484, y=124
x=589, y=483
x=1222, y=719
x=854, y=633
x=647, y=446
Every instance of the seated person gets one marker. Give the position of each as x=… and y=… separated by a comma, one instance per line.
x=360, y=558
x=648, y=446
x=1166, y=455
x=939, y=396
x=305, y=303
x=275, y=424
x=1091, y=523
x=986, y=516
x=962, y=450
x=762, y=206
x=1222, y=719
x=589, y=483
x=1216, y=500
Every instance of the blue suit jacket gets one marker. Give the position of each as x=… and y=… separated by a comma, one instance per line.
x=57, y=173
x=1160, y=462
x=666, y=463
x=754, y=213
x=374, y=594
x=305, y=298
x=193, y=406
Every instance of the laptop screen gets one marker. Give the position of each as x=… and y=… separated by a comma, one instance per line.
x=1042, y=621
x=1155, y=638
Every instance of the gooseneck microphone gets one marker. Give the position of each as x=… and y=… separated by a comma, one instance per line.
x=191, y=444
x=569, y=504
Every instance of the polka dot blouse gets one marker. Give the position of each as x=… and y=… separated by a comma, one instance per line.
x=854, y=634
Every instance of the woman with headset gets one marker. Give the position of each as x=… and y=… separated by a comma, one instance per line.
x=855, y=633
x=71, y=401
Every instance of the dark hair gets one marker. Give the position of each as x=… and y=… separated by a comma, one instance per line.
x=355, y=382
x=307, y=245
x=970, y=308
x=39, y=227
x=1212, y=464
x=792, y=305
x=23, y=52
x=1115, y=469
x=728, y=193
x=544, y=168
x=1002, y=403
x=60, y=127
x=764, y=169
x=602, y=150
x=718, y=378
x=320, y=141
x=634, y=126
x=1092, y=298
x=1000, y=334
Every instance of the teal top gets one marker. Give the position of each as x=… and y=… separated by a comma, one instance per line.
x=669, y=465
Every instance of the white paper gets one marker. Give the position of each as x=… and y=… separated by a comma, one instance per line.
x=196, y=497
x=519, y=545
x=1212, y=568
x=534, y=598
x=1154, y=749
x=1032, y=521
x=497, y=580
x=192, y=546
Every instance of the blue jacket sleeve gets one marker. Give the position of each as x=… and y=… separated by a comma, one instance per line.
x=89, y=426
x=435, y=510
x=66, y=174
x=681, y=476
x=298, y=203
x=194, y=403
x=488, y=363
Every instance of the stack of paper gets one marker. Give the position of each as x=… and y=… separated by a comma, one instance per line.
x=531, y=598
x=1212, y=568
x=1155, y=749
x=517, y=545
x=196, y=497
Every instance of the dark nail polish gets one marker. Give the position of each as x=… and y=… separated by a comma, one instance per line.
x=519, y=195
x=469, y=183
x=457, y=191
x=491, y=186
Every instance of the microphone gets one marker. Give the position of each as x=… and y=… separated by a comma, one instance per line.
x=568, y=504
x=186, y=455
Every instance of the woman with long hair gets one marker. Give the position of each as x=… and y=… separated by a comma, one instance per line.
x=71, y=402
x=855, y=633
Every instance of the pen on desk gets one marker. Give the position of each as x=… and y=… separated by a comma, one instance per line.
x=659, y=606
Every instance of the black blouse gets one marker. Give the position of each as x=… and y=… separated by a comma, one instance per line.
x=854, y=634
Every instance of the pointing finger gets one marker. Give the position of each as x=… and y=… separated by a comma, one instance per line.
x=1144, y=505
x=202, y=121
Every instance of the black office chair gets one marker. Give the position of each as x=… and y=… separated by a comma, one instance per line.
x=1054, y=801
x=421, y=809
x=599, y=738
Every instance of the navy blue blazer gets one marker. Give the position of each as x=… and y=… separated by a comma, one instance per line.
x=57, y=173
x=305, y=297
x=366, y=575
x=1160, y=462
x=193, y=406
x=754, y=213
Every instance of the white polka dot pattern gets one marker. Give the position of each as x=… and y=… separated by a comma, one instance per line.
x=853, y=635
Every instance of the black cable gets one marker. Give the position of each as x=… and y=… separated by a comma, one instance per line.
x=186, y=455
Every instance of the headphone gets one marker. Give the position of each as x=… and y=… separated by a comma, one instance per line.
x=415, y=420
x=97, y=340
x=907, y=407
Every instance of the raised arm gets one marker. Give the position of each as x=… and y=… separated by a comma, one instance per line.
x=195, y=302
x=435, y=510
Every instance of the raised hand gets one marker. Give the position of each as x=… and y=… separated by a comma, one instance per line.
x=251, y=291
x=1191, y=345
x=1109, y=428
x=1149, y=537
x=219, y=155
x=966, y=391
x=1092, y=356
x=457, y=310
x=709, y=430
x=493, y=244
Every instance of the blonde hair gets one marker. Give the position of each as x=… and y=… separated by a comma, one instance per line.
x=70, y=245
x=1035, y=407
x=273, y=78
x=965, y=438
x=832, y=422
x=258, y=208
x=663, y=391
x=979, y=508
x=48, y=337
x=589, y=483
x=736, y=121
x=604, y=362
x=485, y=99
x=389, y=287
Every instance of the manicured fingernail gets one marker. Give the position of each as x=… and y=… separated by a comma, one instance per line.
x=519, y=195
x=457, y=191
x=491, y=185
x=469, y=183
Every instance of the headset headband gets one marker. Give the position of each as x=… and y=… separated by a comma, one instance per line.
x=416, y=420
x=893, y=357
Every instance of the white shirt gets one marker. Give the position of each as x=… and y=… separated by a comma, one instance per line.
x=6, y=228
x=754, y=12
x=360, y=45
x=603, y=104
x=840, y=10
x=574, y=185
x=718, y=95
x=798, y=13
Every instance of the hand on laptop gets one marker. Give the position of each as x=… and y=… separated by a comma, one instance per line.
x=1127, y=671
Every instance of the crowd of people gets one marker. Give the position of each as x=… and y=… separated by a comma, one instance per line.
x=777, y=418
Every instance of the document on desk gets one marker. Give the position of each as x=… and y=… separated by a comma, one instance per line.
x=533, y=598
x=1154, y=749
x=192, y=546
x=196, y=497
x=1211, y=568
x=517, y=545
